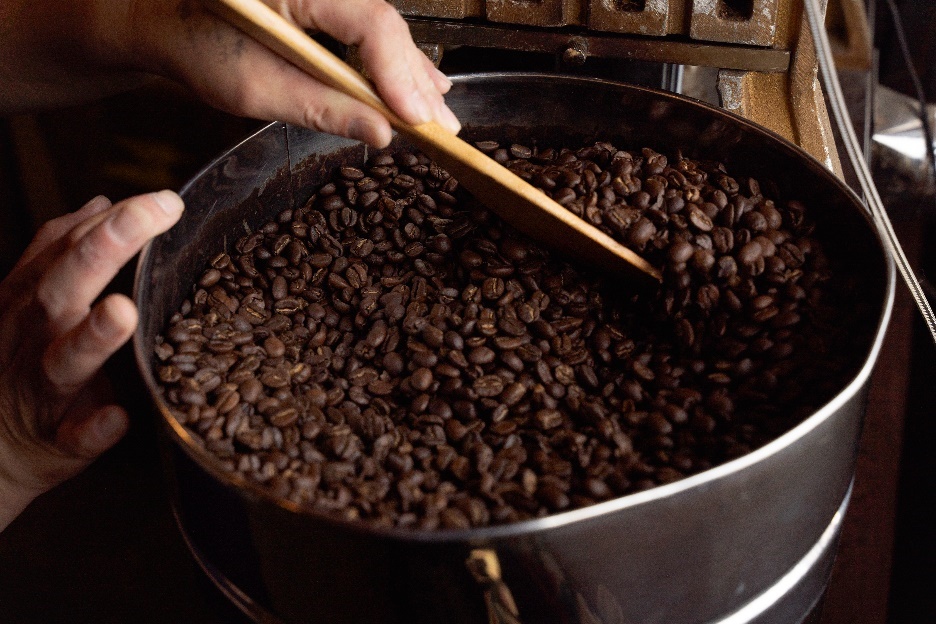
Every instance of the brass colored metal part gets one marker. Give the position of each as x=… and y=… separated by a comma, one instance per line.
x=813, y=126
x=577, y=52
x=451, y=9
x=712, y=20
x=792, y=107
x=762, y=98
x=433, y=52
x=535, y=13
x=792, y=104
x=485, y=567
x=762, y=48
x=667, y=50
x=849, y=34
x=623, y=17
x=754, y=22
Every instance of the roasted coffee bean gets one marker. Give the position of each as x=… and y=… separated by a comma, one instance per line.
x=421, y=379
x=481, y=355
x=700, y=220
x=274, y=347
x=520, y=151
x=492, y=288
x=750, y=253
x=392, y=352
x=680, y=252
x=488, y=385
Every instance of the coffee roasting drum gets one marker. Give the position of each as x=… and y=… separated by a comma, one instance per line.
x=750, y=540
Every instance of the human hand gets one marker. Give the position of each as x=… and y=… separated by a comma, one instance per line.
x=55, y=53
x=54, y=337
x=229, y=70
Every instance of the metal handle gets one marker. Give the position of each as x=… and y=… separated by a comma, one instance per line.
x=830, y=82
x=484, y=566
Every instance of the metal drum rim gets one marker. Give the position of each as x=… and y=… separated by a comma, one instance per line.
x=260, y=494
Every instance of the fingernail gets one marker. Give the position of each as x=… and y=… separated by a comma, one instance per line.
x=444, y=78
x=366, y=131
x=97, y=204
x=101, y=324
x=359, y=130
x=170, y=202
x=133, y=218
x=448, y=119
x=421, y=107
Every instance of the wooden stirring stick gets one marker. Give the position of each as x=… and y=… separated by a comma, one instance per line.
x=525, y=207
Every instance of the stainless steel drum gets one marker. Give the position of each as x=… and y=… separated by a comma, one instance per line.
x=747, y=541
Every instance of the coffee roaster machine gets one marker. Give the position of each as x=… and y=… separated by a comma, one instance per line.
x=725, y=552
x=756, y=56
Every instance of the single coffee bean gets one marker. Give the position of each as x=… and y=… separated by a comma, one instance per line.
x=421, y=379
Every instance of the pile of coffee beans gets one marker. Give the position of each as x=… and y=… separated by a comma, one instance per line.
x=390, y=351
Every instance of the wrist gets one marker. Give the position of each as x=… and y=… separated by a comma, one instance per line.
x=15, y=493
x=60, y=53
x=14, y=498
x=146, y=35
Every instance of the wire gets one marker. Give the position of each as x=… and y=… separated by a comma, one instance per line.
x=843, y=121
x=917, y=84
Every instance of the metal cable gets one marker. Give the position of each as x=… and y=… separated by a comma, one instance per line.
x=915, y=79
x=843, y=122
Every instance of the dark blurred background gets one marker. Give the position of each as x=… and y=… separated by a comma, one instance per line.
x=912, y=596
x=919, y=17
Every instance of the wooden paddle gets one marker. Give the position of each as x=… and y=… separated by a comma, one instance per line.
x=525, y=207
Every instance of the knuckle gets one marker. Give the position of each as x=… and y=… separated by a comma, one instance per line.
x=316, y=117
x=303, y=8
x=48, y=232
x=250, y=97
x=387, y=26
x=90, y=252
x=51, y=367
x=74, y=237
x=49, y=301
x=386, y=15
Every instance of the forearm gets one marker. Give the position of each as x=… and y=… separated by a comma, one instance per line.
x=56, y=52
x=15, y=495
